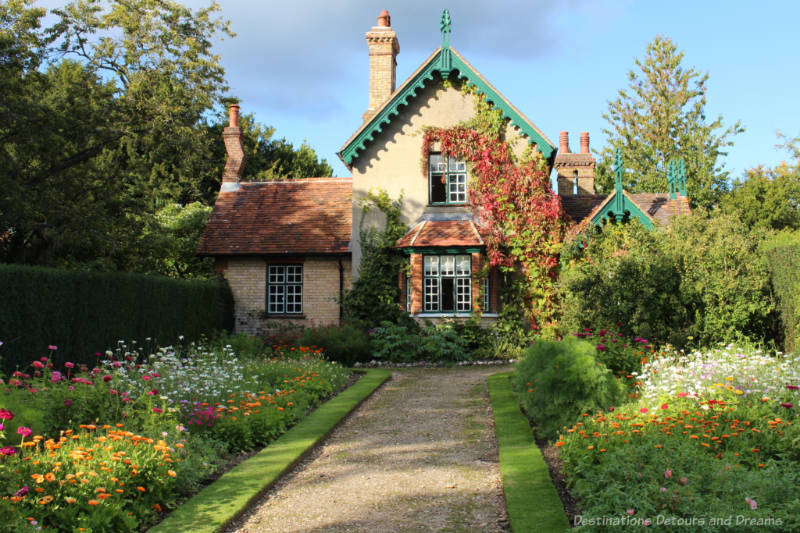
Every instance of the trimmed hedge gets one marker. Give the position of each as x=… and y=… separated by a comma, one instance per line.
x=783, y=257
x=86, y=312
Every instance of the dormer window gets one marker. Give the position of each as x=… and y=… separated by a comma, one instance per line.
x=447, y=179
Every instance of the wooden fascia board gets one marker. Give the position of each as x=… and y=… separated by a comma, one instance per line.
x=410, y=89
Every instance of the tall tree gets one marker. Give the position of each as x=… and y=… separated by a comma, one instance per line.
x=768, y=197
x=660, y=116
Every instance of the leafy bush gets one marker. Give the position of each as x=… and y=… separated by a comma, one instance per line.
x=84, y=312
x=621, y=355
x=435, y=343
x=557, y=381
x=345, y=344
x=783, y=257
x=701, y=278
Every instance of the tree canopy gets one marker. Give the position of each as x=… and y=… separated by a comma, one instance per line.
x=660, y=116
x=109, y=117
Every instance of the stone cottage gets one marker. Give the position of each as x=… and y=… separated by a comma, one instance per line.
x=290, y=249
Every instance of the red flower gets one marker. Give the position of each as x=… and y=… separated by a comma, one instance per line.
x=5, y=414
x=107, y=378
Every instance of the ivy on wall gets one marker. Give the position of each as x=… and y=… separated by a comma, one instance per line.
x=512, y=198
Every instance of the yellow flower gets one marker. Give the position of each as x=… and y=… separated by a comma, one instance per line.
x=47, y=499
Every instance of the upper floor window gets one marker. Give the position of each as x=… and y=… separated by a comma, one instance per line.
x=447, y=179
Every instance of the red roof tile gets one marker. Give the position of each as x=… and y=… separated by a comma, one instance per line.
x=442, y=233
x=281, y=217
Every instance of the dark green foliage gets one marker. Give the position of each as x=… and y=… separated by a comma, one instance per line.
x=783, y=257
x=702, y=280
x=435, y=343
x=557, y=381
x=659, y=116
x=86, y=312
x=375, y=295
x=347, y=344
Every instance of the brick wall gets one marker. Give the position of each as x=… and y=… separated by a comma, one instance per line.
x=248, y=277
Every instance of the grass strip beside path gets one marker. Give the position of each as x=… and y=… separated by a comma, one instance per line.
x=222, y=501
x=531, y=499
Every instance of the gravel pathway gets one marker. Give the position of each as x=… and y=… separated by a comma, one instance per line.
x=419, y=455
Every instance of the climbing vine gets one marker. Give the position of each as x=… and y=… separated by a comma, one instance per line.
x=512, y=199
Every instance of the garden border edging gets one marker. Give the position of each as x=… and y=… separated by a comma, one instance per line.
x=227, y=498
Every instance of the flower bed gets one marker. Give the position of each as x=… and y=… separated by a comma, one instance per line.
x=710, y=442
x=111, y=447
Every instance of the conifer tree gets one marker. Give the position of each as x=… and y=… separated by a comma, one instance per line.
x=659, y=116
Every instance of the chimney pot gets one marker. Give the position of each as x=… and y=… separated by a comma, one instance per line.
x=233, y=116
x=384, y=20
x=563, y=139
x=584, y=142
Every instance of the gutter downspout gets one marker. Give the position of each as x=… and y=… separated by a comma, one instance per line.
x=341, y=291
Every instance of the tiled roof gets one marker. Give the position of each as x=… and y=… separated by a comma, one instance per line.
x=441, y=233
x=305, y=216
x=578, y=207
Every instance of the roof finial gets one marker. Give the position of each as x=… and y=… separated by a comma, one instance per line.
x=682, y=176
x=619, y=198
x=445, y=28
x=672, y=178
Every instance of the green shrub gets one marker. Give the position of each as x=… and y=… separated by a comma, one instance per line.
x=701, y=278
x=435, y=343
x=345, y=344
x=85, y=312
x=557, y=381
x=783, y=257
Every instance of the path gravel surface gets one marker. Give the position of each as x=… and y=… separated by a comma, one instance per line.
x=419, y=455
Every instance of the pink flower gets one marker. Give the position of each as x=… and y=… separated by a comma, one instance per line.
x=146, y=377
x=157, y=410
x=684, y=480
x=38, y=364
x=662, y=489
x=753, y=504
x=2, y=427
x=792, y=387
x=25, y=432
x=5, y=414
x=55, y=377
x=668, y=473
x=787, y=405
x=8, y=450
x=107, y=378
x=52, y=347
x=601, y=348
x=646, y=522
x=69, y=365
x=611, y=409
x=664, y=406
x=681, y=395
x=630, y=512
x=67, y=402
x=22, y=492
x=643, y=410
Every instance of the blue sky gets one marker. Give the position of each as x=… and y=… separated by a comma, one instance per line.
x=302, y=66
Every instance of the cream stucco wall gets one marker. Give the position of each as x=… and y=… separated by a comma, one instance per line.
x=392, y=162
x=247, y=279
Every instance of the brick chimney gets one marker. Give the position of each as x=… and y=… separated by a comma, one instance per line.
x=383, y=50
x=575, y=171
x=234, y=146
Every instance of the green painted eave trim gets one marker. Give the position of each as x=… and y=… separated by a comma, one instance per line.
x=443, y=62
x=617, y=204
x=438, y=250
x=532, y=502
x=227, y=498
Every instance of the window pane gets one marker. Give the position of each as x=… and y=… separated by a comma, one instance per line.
x=463, y=294
x=438, y=188
x=448, y=265
x=463, y=265
x=436, y=163
x=276, y=274
x=431, y=294
x=486, y=295
x=431, y=265
x=276, y=299
x=456, y=165
x=447, y=294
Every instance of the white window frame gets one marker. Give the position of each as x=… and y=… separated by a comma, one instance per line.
x=284, y=290
x=454, y=173
x=435, y=268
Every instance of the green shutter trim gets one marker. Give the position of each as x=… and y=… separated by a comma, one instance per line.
x=443, y=62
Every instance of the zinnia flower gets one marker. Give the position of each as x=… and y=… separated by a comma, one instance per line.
x=8, y=450
x=38, y=364
x=5, y=414
x=22, y=492
x=753, y=504
x=25, y=432
x=52, y=347
x=668, y=474
x=787, y=405
x=69, y=365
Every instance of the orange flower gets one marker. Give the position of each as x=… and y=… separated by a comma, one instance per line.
x=141, y=489
x=93, y=502
x=49, y=476
x=47, y=499
x=559, y=444
x=69, y=499
x=171, y=473
x=157, y=507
